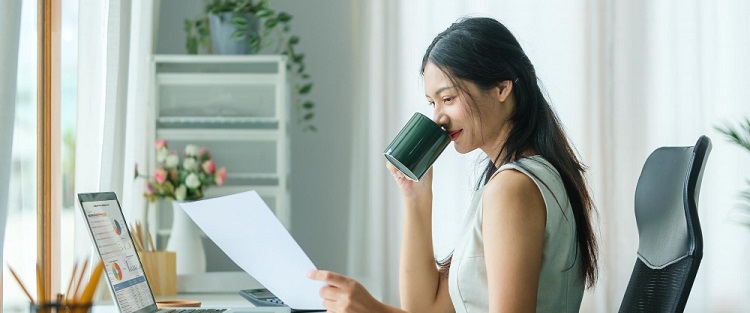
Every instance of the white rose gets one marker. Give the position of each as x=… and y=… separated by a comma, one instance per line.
x=180, y=193
x=189, y=164
x=192, y=181
x=192, y=150
x=161, y=154
x=172, y=160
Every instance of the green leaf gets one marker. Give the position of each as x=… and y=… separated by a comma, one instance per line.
x=263, y=4
x=312, y=128
x=309, y=116
x=305, y=76
x=263, y=13
x=238, y=21
x=306, y=88
x=308, y=105
x=293, y=40
x=301, y=69
x=298, y=58
x=254, y=43
x=238, y=35
x=188, y=25
x=284, y=17
x=271, y=23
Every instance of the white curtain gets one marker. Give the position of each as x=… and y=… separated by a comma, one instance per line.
x=10, y=25
x=103, y=35
x=115, y=46
x=625, y=78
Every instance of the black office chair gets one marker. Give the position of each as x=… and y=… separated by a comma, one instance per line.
x=670, y=244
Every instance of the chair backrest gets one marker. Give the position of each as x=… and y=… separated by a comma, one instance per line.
x=670, y=244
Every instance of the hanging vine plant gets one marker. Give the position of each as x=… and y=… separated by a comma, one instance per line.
x=258, y=27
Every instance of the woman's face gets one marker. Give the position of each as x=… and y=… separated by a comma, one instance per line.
x=481, y=125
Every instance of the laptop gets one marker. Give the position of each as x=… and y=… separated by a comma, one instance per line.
x=125, y=276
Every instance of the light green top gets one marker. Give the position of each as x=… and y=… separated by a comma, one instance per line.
x=560, y=288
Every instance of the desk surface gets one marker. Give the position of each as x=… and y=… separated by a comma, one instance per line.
x=233, y=300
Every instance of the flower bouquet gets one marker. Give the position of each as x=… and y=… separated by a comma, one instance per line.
x=182, y=180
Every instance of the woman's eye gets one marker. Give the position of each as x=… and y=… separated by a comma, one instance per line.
x=446, y=100
x=431, y=103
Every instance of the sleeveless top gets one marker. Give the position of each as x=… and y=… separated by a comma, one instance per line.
x=560, y=286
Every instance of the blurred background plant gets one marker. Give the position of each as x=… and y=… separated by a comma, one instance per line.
x=740, y=135
x=262, y=27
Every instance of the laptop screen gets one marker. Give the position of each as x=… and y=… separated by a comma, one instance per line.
x=121, y=263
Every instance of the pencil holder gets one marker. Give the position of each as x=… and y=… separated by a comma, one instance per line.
x=161, y=271
x=55, y=307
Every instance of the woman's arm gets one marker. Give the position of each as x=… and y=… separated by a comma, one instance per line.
x=514, y=217
x=419, y=284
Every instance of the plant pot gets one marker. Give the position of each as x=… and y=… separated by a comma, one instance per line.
x=185, y=240
x=222, y=31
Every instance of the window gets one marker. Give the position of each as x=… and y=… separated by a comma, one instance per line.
x=20, y=249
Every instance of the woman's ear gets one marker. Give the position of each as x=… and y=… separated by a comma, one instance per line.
x=503, y=90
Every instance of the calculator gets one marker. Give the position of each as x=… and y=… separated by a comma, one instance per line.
x=261, y=297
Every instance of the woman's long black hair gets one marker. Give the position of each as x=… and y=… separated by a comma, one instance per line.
x=483, y=51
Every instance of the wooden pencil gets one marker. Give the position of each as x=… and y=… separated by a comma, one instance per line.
x=80, y=279
x=66, y=296
x=151, y=241
x=21, y=284
x=88, y=292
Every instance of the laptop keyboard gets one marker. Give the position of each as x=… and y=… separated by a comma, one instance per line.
x=192, y=310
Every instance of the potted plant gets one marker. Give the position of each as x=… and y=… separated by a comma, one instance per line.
x=250, y=26
x=741, y=137
x=177, y=181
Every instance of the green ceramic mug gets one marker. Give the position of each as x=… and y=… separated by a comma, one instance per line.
x=417, y=146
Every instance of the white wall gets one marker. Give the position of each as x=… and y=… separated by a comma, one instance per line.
x=320, y=161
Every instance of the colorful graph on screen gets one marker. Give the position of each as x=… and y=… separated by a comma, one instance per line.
x=118, y=229
x=117, y=271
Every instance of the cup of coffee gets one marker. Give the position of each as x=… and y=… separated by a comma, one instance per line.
x=417, y=146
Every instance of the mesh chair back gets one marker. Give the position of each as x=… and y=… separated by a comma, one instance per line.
x=670, y=244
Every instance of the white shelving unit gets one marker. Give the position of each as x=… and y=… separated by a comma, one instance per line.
x=237, y=106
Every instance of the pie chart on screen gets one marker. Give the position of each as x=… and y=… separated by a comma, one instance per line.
x=117, y=227
x=117, y=271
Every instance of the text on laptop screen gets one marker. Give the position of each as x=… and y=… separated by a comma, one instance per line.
x=121, y=262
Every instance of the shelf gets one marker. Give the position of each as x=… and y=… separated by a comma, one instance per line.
x=217, y=122
x=189, y=78
x=218, y=134
x=185, y=58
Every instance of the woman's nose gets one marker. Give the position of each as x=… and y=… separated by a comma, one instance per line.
x=440, y=118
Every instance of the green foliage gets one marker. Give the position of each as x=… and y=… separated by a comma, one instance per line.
x=273, y=32
x=740, y=136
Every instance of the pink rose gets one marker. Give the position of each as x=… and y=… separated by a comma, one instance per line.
x=160, y=175
x=209, y=167
x=160, y=143
x=221, y=176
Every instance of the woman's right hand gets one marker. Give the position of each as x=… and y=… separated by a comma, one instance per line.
x=411, y=189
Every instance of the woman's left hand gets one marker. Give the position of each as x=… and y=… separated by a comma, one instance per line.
x=344, y=294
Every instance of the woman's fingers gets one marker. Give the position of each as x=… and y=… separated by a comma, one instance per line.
x=328, y=277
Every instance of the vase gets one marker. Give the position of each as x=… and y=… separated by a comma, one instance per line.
x=185, y=240
x=222, y=32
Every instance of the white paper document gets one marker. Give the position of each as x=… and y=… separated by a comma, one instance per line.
x=246, y=230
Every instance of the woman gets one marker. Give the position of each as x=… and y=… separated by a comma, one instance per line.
x=527, y=243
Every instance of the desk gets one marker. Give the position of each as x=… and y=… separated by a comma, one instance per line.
x=233, y=300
